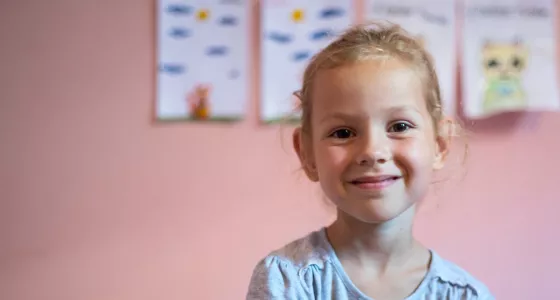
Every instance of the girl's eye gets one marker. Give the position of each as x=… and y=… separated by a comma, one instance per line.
x=399, y=127
x=342, y=134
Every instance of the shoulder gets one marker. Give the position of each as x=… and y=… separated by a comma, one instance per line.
x=283, y=272
x=452, y=274
x=303, y=252
x=300, y=253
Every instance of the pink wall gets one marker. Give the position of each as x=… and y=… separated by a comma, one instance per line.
x=99, y=203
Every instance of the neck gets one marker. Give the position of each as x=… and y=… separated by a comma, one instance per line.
x=378, y=244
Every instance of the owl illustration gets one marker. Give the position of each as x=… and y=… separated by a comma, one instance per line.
x=503, y=65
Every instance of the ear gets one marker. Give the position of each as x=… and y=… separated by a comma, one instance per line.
x=304, y=152
x=446, y=131
x=522, y=47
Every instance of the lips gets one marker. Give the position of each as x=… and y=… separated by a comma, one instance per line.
x=375, y=182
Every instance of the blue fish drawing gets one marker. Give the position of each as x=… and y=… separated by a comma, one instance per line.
x=228, y=21
x=179, y=9
x=179, y=33
x=301, y=55
x=216, y=50
x=433, y=18
x=321, y=34
x=331, y=12
x=235, y=2
x=280, y=38
x=173, y=69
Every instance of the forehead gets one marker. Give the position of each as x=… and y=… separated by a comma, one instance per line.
x=375, y=85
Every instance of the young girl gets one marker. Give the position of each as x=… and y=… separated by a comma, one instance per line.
x=372, y=135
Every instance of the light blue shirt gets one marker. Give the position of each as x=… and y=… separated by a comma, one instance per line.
x=308, y=268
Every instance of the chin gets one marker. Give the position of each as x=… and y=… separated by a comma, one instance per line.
x=375, y=212
x=375, y=217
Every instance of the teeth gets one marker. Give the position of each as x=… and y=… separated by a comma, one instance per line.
x=376, y=181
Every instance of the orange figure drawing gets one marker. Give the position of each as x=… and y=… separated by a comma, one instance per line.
x=199, y=102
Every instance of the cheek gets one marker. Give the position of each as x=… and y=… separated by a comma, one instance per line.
x=331, y=160
x=415, y=156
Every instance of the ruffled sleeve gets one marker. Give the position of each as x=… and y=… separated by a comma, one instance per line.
x=274, y=278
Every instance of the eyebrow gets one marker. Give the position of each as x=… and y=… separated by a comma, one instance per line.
x=405, y=108
x=345, y=116
x=341, y=115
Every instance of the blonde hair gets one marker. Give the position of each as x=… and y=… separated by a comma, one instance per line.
x=372, y=41
x=383, y=41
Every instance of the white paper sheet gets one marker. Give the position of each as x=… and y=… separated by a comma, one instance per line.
x=509, y=61
x=433, y=22
x=292, y=32
x=202, y=59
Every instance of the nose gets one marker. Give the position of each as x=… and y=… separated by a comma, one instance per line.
x=374, y=148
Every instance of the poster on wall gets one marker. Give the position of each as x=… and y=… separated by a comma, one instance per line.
x=432, y=22
x=509, y=62
x=292, y=32
x=202, y=57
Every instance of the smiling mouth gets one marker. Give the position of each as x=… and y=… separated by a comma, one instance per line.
x=374, y=182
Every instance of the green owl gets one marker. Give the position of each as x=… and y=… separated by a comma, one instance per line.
x=503, y=66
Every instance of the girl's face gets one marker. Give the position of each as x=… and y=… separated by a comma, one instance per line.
x=373, y=146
